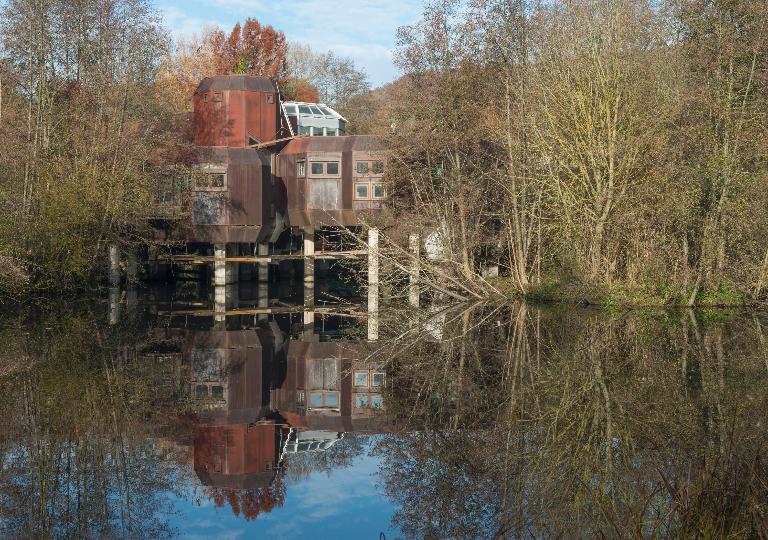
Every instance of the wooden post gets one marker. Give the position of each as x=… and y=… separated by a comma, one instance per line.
x=413, y=286
x=114, y=265
x=373, y=284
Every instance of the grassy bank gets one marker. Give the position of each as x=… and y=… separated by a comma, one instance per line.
x=722, y=293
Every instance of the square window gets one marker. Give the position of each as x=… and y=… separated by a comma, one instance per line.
x=217, y=180
x=378, y=167
x=217, y=392
x=378, y=191
x=362, y=167
x=301, y=168
x=303, y=109
x=201, y=391
x=316, y=399
x=317, y=167
x=216, y=96
x=201, y=181
x=361, y=191
x=377, y=402
x=332, y=167
x=361, y=402
x=361, y=378
x=378, y=379
x=332, y=399
x=317, y=131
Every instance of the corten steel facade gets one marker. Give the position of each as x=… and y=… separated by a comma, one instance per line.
x=236, y=111
x=246, y=194
x=320, y=175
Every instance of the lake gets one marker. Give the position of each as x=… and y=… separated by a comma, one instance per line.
x=152, y=414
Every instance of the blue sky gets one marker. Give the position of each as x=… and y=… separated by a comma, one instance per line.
x=346, y=504
x=363, y=30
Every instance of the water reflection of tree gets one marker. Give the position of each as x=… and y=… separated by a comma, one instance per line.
x=78, y=455
x=250, y=502
x=574, y=423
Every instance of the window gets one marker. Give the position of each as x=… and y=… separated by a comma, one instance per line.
x=217, y=392
x=327, y=111
x=205, y=97
x=301, y=168
x=362, y=167
x=300, y=397
x=317, y=131
x=290, y=110
x=330, y=132
x=210, y=181
x=317, y=167
x=378, y=167
x=361, y=378
x=217, y=96
x=361, y=191
x=316, y=111
x=332, y=167
x=378, y=191
x=377, y=402
x=378, y=379
x=361, y=401
x=303, y=109
x=304, y=130
x=201, y=391
x=323, y=400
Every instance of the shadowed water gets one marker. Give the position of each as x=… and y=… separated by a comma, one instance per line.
x=158, y=416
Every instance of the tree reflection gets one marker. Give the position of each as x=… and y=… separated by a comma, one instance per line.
x=79, y=453
x=573, y=423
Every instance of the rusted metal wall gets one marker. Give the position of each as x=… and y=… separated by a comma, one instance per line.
x=232, y=109
x=302, y=202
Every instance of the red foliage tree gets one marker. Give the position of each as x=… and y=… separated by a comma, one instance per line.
x=252, y=49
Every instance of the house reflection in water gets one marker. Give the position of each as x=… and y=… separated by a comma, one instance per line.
x=262, y=397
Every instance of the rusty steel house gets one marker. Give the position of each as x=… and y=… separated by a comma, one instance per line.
x=253, y=178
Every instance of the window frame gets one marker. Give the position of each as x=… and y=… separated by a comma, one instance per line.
x=301, y=168
x=207, y=171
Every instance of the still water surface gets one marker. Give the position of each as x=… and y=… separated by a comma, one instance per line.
x=157, y=418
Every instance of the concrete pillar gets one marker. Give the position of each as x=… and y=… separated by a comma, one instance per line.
x=224, y=273
x=114, y=265
x=131, y=268
x=219, y=302
x=114, y=305
x=309, y=252
x=413, y=285
x=262, y=250
x=373, y=284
